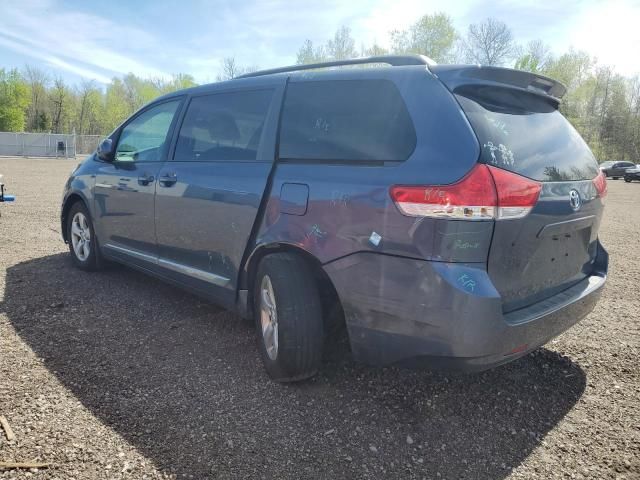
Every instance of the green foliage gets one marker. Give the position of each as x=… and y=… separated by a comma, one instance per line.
x=432, y=35
x=340, y=47
x=14, y=100
x=604, y=107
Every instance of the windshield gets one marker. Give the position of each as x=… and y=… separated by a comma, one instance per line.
x=527, y=135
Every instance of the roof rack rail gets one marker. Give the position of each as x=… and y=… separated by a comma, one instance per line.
x=393, y=60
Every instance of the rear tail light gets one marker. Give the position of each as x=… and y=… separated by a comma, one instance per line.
x=600, y=182
x=485, y=193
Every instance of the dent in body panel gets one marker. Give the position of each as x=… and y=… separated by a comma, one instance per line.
x=419, y=299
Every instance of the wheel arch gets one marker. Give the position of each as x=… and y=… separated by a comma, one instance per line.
x=332, y=312
x=69, y=202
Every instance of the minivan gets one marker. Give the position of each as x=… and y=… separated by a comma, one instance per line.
x=446, y=215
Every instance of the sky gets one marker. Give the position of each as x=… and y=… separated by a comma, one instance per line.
x=88, y=39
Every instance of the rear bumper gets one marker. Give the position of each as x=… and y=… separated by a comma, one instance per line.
x=446, y=315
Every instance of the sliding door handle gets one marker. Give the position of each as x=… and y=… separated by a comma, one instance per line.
x=145, y=179
x=168, y=179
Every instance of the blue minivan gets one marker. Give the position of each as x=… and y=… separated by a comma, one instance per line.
x=447, y=215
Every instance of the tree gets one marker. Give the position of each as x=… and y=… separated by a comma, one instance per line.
x=432, y=35
x=89, y=100
x=37, y=81
x=489, y=43
x=14, y=100
x=230, y=69
x=310, y=54
x=341, y=47
x=374, y=50
x=535, y=57
x=60, y=99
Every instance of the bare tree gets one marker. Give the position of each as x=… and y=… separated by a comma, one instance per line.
x=58, y=94
x=230, y=69
x=38, y=82
x=87, y=87
x=489, y=43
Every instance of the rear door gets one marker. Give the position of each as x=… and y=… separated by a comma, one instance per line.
x=554, y=245
x=210, y=190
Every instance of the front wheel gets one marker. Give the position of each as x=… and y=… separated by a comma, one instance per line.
x=627, y=179
x=288, y=315
x=82, y=238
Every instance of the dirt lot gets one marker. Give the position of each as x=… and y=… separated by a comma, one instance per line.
x=116, y=375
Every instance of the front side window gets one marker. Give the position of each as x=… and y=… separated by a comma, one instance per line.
x=143, y=139
x=223, y=127
x=346, y=120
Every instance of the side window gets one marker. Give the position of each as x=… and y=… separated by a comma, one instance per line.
x=223, y=126
x=142, y=139
x=346, y=120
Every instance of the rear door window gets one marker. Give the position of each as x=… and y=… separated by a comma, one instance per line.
x=525, y=134
x=223, y=126
x=346, y=120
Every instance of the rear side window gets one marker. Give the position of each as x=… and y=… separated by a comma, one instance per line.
x=525, y=134
x=223, y=127
x=346, y=120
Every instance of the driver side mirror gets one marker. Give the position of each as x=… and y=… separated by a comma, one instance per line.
x=106, y=150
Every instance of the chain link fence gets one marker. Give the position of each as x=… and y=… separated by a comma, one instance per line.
x=47, y=144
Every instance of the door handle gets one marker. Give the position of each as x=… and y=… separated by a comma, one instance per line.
x=145, y=179
x=168, y=179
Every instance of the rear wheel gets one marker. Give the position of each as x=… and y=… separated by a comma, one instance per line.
x=615, y=178
x=82, y=239
x=288, y=315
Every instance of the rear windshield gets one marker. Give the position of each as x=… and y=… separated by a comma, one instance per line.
x=346, y=120
x=525, y=134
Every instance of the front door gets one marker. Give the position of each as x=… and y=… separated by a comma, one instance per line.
x=125, y=188
x=209, y=193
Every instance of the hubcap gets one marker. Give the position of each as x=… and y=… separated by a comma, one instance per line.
x=269, y=318
x=81, y=236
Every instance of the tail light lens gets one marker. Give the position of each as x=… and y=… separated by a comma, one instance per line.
x=600, y=182
x=485, y=193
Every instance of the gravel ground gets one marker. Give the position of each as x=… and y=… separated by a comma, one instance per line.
x=116, y=375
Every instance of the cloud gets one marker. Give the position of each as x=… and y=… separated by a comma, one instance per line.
x=73, y=39
x=52, y=60
x=609, y=31
x=159, y=37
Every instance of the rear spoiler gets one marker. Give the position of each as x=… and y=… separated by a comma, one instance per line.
x=456, y=76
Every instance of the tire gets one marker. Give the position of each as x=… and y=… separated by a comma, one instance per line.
x=288, y=317
x=615, y=178
x=627, y=179
x=82, y=239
